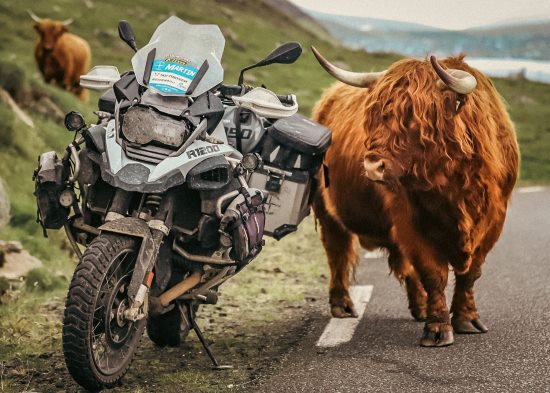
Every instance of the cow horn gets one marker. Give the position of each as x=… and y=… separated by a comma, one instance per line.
x=34, y=17
x=458, y=80
x=67, y=22
x=357, y=79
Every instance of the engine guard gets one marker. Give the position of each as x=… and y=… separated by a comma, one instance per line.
x=148, y=250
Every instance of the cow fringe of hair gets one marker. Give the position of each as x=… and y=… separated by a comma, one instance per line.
x=473, y=149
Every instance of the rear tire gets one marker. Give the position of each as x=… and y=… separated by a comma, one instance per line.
x=164, y=330
x=98, y=343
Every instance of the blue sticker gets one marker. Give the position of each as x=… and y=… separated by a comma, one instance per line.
x=172, y=77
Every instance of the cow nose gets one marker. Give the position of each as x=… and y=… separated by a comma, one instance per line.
x=375, y=169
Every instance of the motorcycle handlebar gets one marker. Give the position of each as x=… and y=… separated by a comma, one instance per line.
x=237, y=90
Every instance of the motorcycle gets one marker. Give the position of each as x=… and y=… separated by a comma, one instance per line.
x=170, y=193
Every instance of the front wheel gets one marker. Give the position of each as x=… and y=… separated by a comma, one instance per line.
x=98, y=341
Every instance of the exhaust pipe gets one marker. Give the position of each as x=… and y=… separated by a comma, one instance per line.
x=179, y=289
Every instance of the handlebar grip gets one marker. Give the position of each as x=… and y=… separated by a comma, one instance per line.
x=231, y=90
x=286, y=99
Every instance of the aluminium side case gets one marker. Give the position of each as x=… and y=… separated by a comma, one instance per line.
x=292, y=151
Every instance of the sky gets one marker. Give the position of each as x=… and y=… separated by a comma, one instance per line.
x=447, y=14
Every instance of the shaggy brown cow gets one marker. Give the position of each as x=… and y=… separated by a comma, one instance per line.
x=422, y=166
x=61, y=56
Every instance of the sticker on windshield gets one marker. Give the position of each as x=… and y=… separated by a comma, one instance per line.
x=171, y=76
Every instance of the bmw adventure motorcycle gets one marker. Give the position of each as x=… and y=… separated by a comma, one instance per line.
x=170, y=193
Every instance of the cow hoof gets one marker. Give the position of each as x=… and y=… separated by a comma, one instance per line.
x=475, y=326
x=343, y=312
x=436, y=339
x=419, y=314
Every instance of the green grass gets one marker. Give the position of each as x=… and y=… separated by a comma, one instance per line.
x=529, y=106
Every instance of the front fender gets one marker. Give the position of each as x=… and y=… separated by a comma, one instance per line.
x=148, y=250
x=127, y=226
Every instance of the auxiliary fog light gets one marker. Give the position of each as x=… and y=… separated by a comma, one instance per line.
x=66, y=198
x=251, y=161
x=74, y=121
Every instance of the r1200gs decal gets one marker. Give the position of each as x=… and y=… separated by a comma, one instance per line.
x=201, y=151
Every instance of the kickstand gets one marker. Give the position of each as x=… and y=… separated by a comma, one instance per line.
x=195, y=327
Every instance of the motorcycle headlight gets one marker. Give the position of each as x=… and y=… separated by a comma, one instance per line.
x=143, y=125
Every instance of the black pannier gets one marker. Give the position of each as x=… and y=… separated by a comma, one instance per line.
x=50, y=180
x=292, y=152
x=296, y=142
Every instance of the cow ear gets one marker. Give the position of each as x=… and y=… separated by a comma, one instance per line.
x=37, y=27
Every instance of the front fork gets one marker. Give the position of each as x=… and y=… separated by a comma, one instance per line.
x=152, y=231
x=143, y=275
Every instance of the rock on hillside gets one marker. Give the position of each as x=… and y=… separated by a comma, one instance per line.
x=15, y=262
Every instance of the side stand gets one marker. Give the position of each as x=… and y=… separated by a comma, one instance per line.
x=195, y=327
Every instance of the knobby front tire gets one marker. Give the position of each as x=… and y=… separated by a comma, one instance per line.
x=98, y=343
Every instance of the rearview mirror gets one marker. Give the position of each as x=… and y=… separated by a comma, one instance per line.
x=286, y=53
x=100, y=78
x=126, y=34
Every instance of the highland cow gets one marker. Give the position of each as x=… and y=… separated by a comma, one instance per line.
x=61, y=56
x=422, y=164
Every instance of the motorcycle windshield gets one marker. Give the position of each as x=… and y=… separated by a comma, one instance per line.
x=181, y=59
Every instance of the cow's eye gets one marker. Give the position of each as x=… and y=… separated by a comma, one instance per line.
x=372, y=157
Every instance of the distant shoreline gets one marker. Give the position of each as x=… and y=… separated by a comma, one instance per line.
x=533, y=70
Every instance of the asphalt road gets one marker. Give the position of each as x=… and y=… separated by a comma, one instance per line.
x=513, y=298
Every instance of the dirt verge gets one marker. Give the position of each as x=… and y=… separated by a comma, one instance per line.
x=262, y=312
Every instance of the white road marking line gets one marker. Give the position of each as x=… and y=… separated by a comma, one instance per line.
x=375, y=254
x=340, y=330
x=527, y=190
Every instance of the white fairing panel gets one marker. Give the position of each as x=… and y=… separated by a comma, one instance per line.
x=197, y=152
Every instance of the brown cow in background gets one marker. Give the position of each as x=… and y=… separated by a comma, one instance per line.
x=422, y=164
x=61, y=56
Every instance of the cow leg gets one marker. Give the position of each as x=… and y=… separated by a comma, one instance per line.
x=465, y=318
x=68, y=83
x=432, y=271
x=417, y=297
x=339, y=247
x=405, y=273
x=437, y=330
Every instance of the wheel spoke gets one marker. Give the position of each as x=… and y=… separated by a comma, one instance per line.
x=110, y=298
x=120, y=263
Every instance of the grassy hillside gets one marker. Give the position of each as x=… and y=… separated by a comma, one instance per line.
x=29, y=322
x=529, y=106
